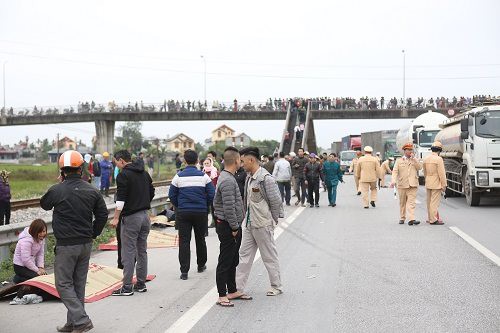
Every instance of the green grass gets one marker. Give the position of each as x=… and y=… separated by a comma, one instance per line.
x=167, y=171
x=29, y=181
x=26, y=189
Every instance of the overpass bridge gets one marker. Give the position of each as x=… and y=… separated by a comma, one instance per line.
x=105, y=120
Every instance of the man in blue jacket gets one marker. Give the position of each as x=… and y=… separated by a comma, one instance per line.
x=191, y=193
x=333, y=174
x=106, y=171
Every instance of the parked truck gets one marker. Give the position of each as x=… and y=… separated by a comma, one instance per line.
x=351, y=142
x=381, y=141
x=336, y=147
x=471, y=153
x=421, y=131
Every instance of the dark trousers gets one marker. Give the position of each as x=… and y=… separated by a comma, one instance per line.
x=70, y=269
x=23, y=274
x=4, y=212
x=214, y=219
x=300, y=186
x=285, y=189
x=197, y=222
x=332, y=194
x=119, y=243
x=225, y=275
x=313, y=186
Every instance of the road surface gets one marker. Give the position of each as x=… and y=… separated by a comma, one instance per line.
x=344, y=269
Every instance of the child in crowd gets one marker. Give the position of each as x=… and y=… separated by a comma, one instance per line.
x=30, y=252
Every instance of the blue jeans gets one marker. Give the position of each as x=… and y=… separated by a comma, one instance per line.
x=332, y=194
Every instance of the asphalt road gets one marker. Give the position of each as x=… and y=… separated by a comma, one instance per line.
x=344, y=269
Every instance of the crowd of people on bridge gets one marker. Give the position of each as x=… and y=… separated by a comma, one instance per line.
x=272, y=104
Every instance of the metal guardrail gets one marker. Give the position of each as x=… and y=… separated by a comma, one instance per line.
x=35, y=202
x=9, y=233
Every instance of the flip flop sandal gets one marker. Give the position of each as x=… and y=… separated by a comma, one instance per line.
x=274, y=292
x=243, y=297
x=225, y=304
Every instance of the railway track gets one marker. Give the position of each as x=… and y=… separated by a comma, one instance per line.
x=35, y=202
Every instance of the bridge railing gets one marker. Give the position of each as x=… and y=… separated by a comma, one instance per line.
x=184, y=106
x=278, y=105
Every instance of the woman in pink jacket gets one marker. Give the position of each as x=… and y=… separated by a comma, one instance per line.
x=210, y=170
x=30, y=252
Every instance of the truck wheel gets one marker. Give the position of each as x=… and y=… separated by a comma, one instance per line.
x=421, y=181
x=473, y=198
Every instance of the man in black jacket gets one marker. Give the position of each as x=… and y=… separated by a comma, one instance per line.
x=312, y=174
x=133, y=199
x=241, y=177
x=74, y=202
x=298, y=165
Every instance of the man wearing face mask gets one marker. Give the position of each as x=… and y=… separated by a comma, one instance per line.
x=405, y=175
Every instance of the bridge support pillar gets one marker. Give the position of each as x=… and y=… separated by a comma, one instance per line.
x=105, y=135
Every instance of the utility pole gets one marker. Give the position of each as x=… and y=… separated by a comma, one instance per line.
x=4, y=84
x=57, y=145
x=404, y=78
x=205, y=79
x=158, y=154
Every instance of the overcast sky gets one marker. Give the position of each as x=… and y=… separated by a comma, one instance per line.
x=63, y=52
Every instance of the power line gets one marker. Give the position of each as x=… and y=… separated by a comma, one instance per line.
x=219, y=61
x=270, y=76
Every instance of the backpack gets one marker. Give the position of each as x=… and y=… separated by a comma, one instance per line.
x=282, y=210
x=97, y=169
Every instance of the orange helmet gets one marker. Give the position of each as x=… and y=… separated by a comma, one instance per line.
x=408, y=145
x=70, y=159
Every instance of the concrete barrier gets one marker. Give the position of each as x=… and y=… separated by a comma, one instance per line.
x=9, y=233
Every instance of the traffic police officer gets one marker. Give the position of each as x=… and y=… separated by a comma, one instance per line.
x=368, y=171
x=435, y=181
x=405, y=175
x=385, y=169
x=353, y=168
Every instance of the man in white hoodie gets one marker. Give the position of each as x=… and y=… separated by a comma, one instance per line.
x=283, y=174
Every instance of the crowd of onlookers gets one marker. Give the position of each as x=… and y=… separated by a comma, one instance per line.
x=276, y=104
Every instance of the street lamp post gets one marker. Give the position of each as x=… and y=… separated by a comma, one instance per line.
x=5, y=62
x=204, y=79
x=404, y=78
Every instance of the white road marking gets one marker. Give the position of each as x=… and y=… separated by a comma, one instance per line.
x=475, y=244
x=193, y=315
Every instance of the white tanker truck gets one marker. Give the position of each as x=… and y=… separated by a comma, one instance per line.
x=422, y=132
x=471, y=153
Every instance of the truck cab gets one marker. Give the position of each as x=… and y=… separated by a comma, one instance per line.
x=471, y=152
x=480, y=132
x=346, y=158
